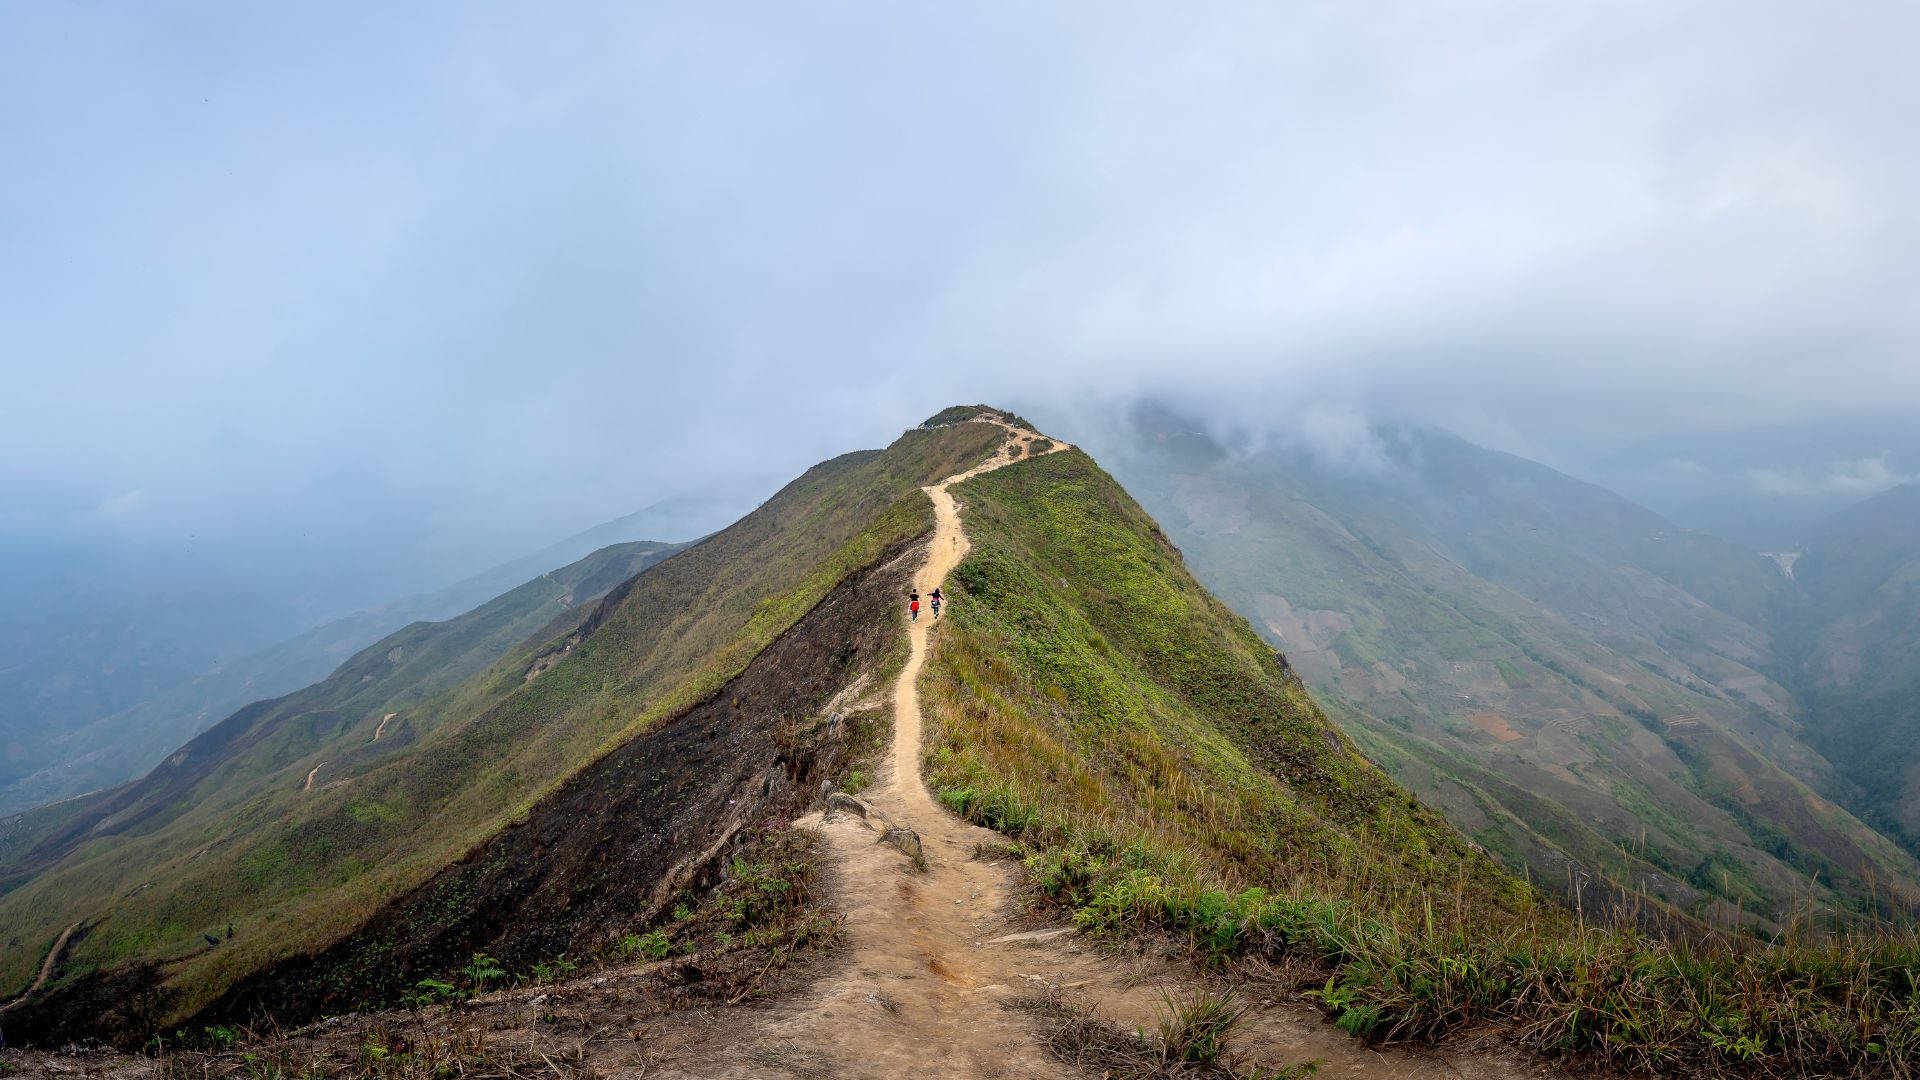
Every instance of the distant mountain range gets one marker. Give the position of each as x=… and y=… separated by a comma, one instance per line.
x=58, y=757
x=1772, y=488
x=1580, y=685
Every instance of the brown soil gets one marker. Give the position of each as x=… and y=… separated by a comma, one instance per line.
x=1495, y=725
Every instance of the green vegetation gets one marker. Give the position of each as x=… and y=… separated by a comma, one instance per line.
x=1191, y=1041
x=1159, y=769
x=234, y=834
x=1099, y=706
x=1566, y=676
x=869, y=735
x=1852, y=628
x=1194, y=1028
x=954, y=414
x=1836, y=1008
x=1161, y=774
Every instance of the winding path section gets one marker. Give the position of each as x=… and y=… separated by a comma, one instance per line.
x=935, y=952
x=46, y=967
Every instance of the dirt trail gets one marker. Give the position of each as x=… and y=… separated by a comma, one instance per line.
x=311, y=773
x=46, y=967
x=937, y=954
x=377, y=732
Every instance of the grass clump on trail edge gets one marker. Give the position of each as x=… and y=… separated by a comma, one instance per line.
x=1192, y=1040
x=1162, y=771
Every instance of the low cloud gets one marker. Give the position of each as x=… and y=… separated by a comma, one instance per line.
x=1342, y=438
x=1860, y=477
x=428, y=282
x=1682, y=469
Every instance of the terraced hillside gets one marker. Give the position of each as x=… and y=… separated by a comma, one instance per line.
x=296, y=826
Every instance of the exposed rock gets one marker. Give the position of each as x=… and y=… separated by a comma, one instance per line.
x=906, y=840
x=840, y=800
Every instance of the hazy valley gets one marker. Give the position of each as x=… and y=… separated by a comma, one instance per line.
x=677, y=767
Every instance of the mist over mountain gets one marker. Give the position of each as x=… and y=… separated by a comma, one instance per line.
x=1768, y=488
x=1499, y=630
x=1853, y=620
x=492, y=280
x=1579, y=682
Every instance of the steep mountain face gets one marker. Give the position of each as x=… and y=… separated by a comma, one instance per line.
x=1579, y=685
x=1100, y=705
x=1853, y=624
x=75, y=751
x=297, y=820
x=667, y=808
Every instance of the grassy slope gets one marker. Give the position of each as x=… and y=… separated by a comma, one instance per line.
x=1094, y=702
x=113, y=749
x=406, y=667
x=1854, y=628
x=1530, y=705
x=293, y=870
x=1097, y=704
x=1694, y=810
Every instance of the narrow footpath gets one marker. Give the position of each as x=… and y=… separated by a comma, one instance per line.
x=936, y=954
x=47, y=967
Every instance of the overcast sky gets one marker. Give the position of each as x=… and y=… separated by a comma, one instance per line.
x=474, y=275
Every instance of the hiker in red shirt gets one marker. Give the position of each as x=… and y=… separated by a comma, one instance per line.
x=913, y=604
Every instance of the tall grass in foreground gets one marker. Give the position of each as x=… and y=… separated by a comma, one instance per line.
x=1836, y=1007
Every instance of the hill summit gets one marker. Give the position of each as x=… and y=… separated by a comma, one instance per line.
x=694, y=777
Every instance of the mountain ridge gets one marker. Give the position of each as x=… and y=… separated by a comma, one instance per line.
x=1561, y=671
x=1155, y=774
x=294, y=866
x=112, y=749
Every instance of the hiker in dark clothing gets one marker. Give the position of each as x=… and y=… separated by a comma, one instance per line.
x=936, y=598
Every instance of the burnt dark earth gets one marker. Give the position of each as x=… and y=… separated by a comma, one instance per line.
x=659, y=816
